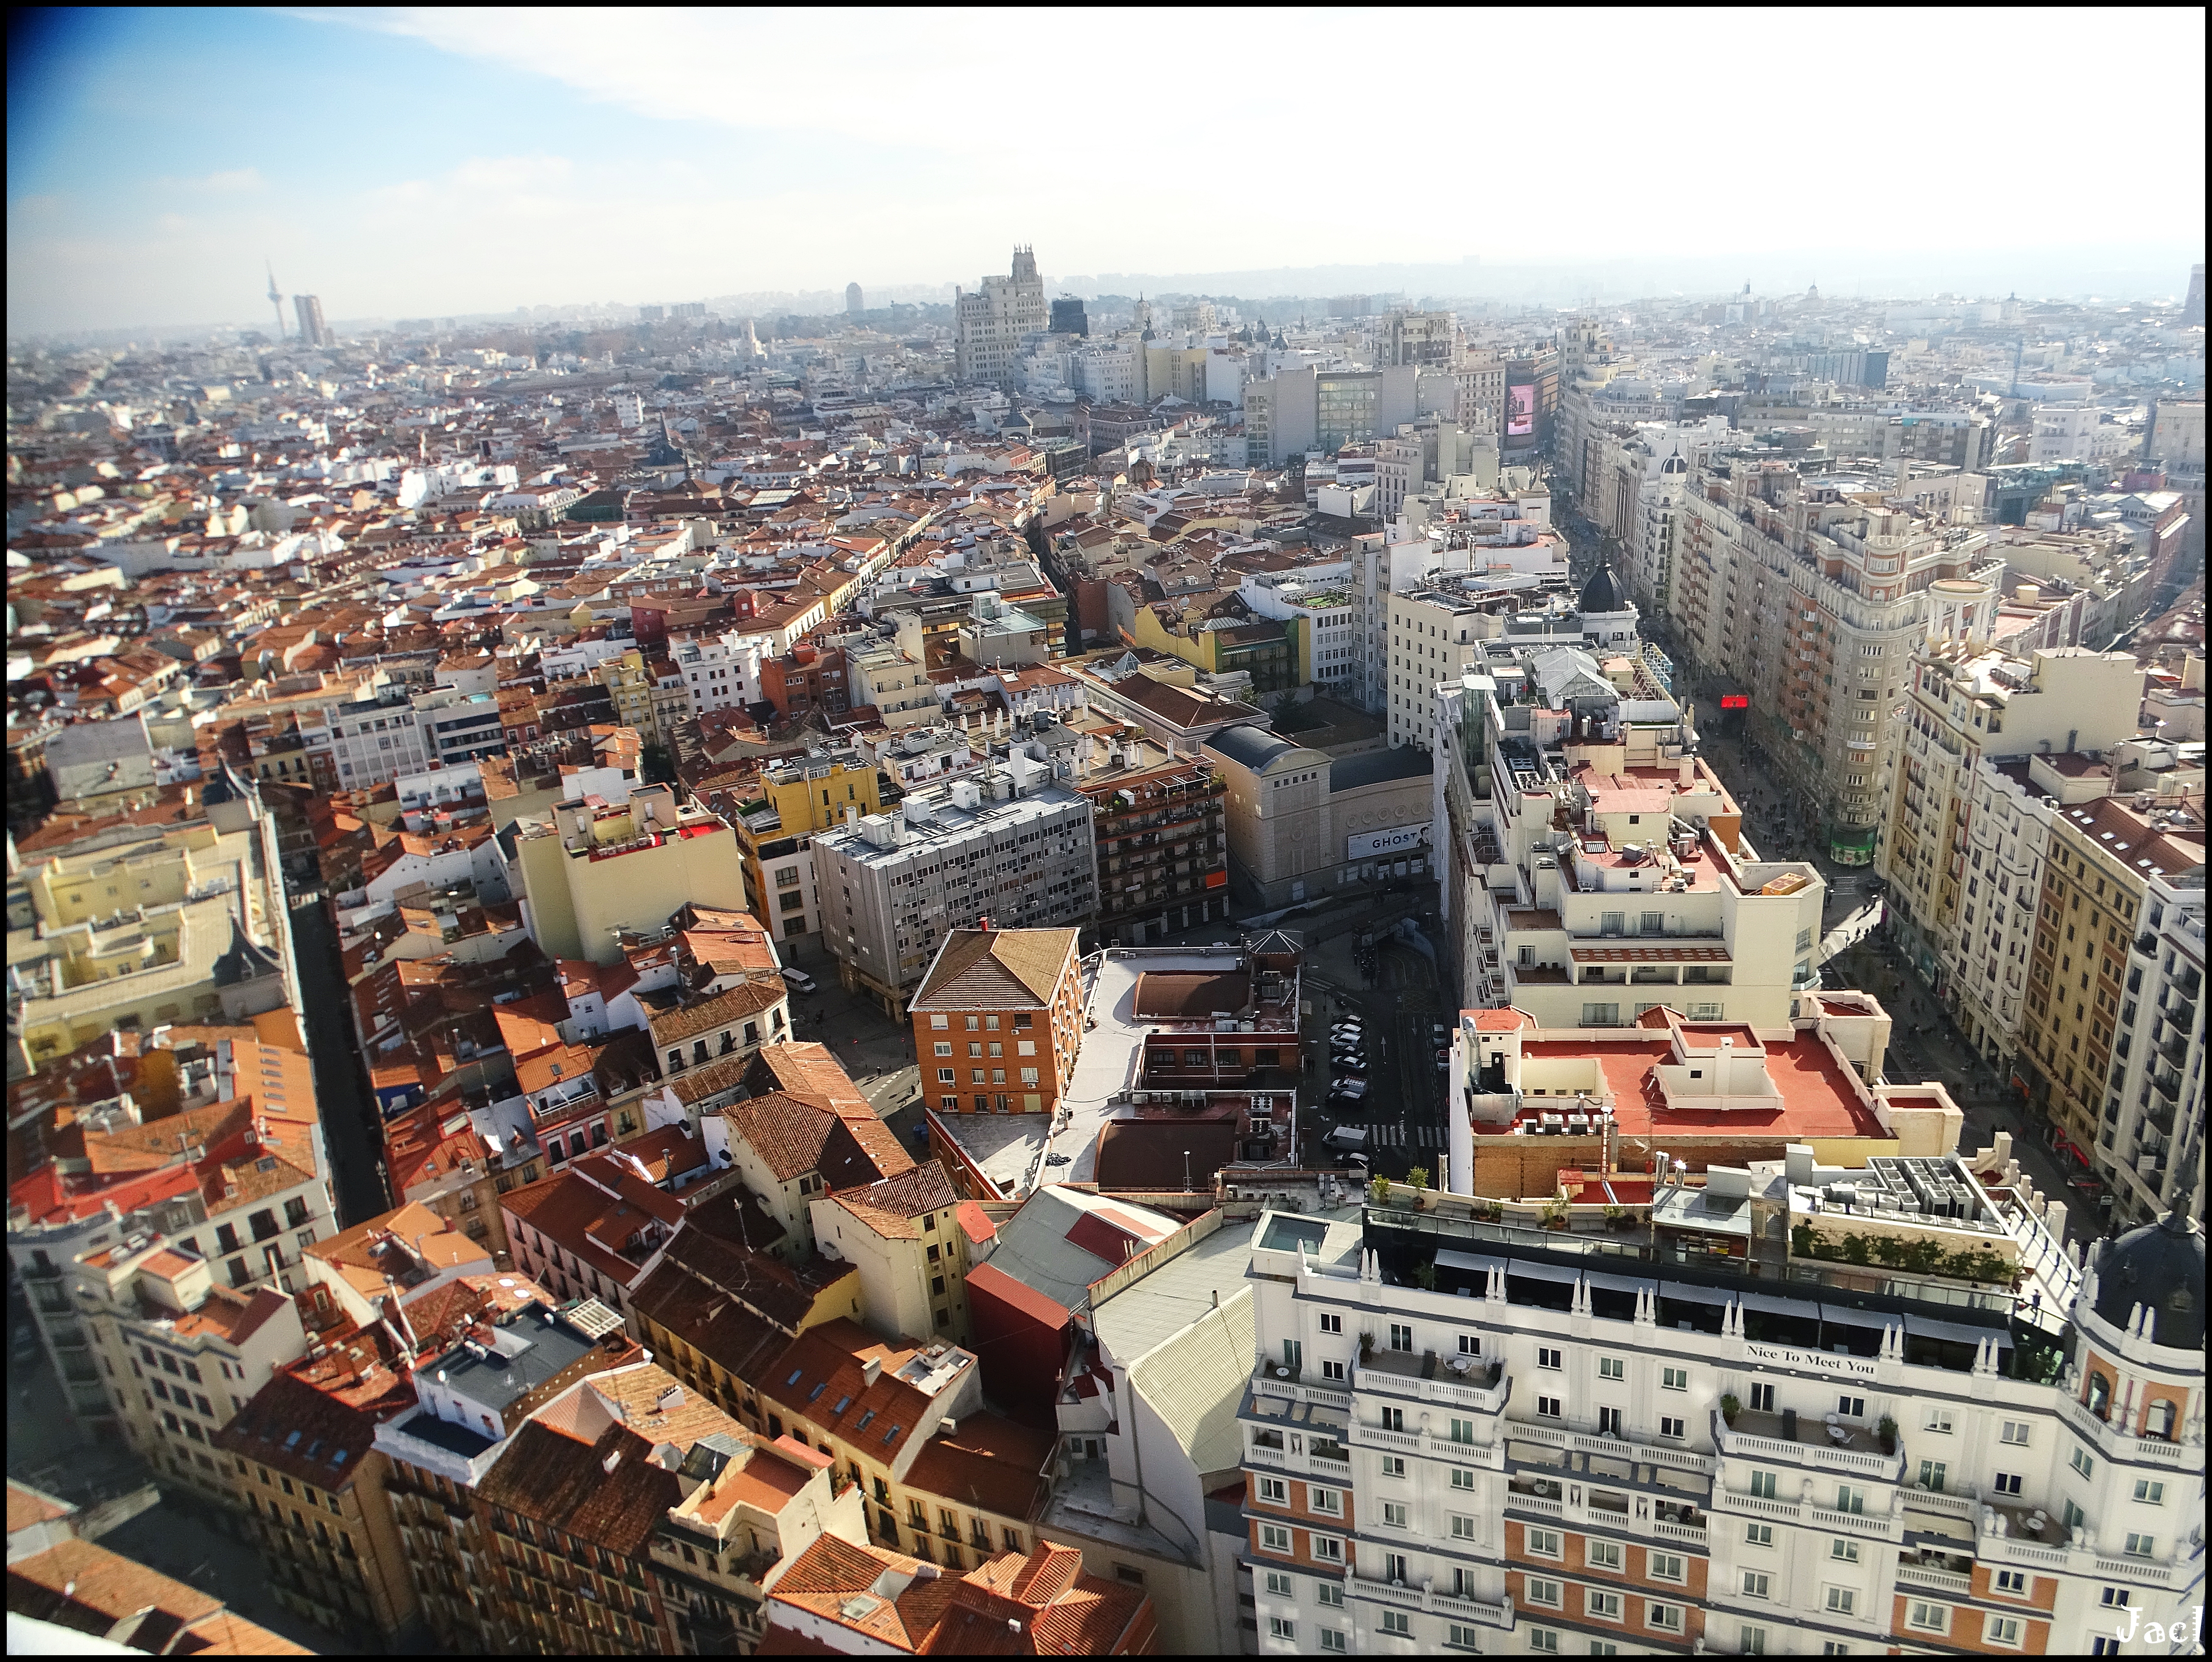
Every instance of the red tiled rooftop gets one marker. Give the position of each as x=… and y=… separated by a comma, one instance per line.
x=1818, y=1095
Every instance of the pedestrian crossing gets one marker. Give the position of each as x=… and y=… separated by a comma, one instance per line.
x=1396, y=1134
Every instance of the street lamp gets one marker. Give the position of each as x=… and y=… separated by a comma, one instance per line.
x=1186, y=1171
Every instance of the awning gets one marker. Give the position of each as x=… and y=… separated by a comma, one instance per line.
x=1449, y=1259
x=1928, y=1327
x=1536, y=1271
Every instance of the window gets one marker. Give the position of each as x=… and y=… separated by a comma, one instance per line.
x=1283, y=1628
x=1329, y=1501
x=1851, y=1408
x=1850, y=1499
x=1393, y=1465
x=1461, y=1477
x=2081, y=1462
x=1541, y=1591
x=1329, y=1548
x=2114, y=1598
x=1274, y=1538
x=1938, y=1420
x=1608, y=1422
x=1755, y=1584
x=1762, y=1398
x=1601, y=1606
x=2014, y=1431
x=1279, y=1585
x=1843, y=1551
x=1544, y=1544
x=1395, y=1514
x=1666, y=1618
x=1547, y=1357
x=1330, y=1323
x=1470, y=1344
x=1547, y=1408
x=1329, y=1595
x=1602, y=1555
x=1762, y=1485
x=1664, y=1566
x=1669, y=1427
x=1462, y=1526
x=1920, y=1615
x=1332, y=1639
x=2011, y=1581
x=1674, y=1378
x=1612, y=1367
x=2006, y=1482
x=1751, y=1642
x=1462, y=1431
x=2001, y=1630
x=1397, y=1623
x=1275, y=1491
x=1401, y=1337
x=1462, y=1638
x=1543, y=1639
x=1759, y=1535
x=2138, y=1545
x=1333, y=1370
x=1931, y=1476
x=2151, y=1493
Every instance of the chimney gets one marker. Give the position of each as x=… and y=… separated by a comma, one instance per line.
x=871, y=1369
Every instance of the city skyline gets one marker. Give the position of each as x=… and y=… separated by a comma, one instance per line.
x=135, y=203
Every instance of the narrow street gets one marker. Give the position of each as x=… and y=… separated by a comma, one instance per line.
x=351, y=1133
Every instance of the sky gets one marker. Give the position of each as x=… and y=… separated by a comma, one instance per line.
x=407, y=162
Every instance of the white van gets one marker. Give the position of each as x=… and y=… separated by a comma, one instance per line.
x=1344, y=1138
x=798, y=979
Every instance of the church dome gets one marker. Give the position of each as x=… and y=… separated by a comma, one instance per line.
x=1602, y=593
x=2160, y=1265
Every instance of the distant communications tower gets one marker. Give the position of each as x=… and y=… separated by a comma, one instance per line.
x=276, y=298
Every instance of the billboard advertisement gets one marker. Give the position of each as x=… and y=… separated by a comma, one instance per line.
x=1520, y=411
x=1381, y=845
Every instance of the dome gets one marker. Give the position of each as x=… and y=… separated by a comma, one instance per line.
x=2160, y=1265
x=1602, y=593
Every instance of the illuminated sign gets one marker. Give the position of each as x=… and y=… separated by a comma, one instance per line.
x=1520, y=411
x=1371, y=845
x=1734, y=701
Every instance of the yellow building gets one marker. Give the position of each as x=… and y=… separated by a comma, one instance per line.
x=595, y=869
x=148, y=932
x=630, y=685
x=800, y=796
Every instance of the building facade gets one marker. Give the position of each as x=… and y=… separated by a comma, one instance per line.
x=997, y=1020
x=990, y=323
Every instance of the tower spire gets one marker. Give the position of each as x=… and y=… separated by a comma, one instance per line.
x=276, y=297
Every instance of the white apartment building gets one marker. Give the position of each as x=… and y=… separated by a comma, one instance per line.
x=720, y=671
x=1811, y=595
x=370, y=740
x=1012, y=844
x=1966, y=700
x=2012, y=804
x=1461, y=1435
x=990, y=323
x=2150, y=1145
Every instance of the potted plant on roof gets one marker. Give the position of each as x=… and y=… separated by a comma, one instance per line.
x=1366, y=1346
x=1885, y=1433
x=1417, y=1179
x=1730, y=1407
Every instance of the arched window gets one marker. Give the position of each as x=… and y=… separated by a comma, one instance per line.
x=2101, y=1395
x=2159, y=1422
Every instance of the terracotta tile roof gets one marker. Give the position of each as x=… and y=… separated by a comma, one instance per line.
x=28, y=1505
x=807, y=1071
x=991, y=1463
x=996, y=969
x=824, y=1367
x=793, y=1137
x=610, y=1228
x=89, y=1589
x=833, y=1579
x=723, y=1009
x=894, y=1208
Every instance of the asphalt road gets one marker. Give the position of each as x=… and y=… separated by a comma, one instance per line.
x=1400, y=999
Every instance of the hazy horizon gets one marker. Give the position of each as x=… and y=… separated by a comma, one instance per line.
x=404, y=163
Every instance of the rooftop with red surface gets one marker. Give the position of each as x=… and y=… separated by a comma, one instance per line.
x=1817, y=1096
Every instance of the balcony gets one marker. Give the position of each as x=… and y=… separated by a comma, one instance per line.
x=1457, y=1383
x=1768, y=1436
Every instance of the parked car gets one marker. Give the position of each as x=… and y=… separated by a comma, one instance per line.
x=1343, y=1064
x=798, y=979
x=1347, y=1090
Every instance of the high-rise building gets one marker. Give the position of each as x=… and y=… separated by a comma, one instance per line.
x=309, y=310
x=1068, y=316
x=1009, y=843
x=2087, y=980
x=2192, y=305
x=1811, y=594
x=1428, y=338
x=989, y=322
x=1460, y=1436
x=854, y=302
x=1966, y=701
